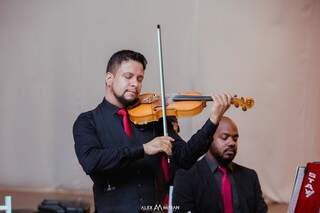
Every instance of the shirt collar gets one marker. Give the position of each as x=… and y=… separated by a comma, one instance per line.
x=213, y=164
x=108, y=107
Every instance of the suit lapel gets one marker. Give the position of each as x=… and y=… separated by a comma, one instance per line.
x=241, y=191
x=211, y=183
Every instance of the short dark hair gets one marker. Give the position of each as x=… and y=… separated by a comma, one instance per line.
x=125, y=55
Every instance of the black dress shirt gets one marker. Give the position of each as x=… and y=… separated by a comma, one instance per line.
x=213, y=165
x=198, y=189
x=125, y=179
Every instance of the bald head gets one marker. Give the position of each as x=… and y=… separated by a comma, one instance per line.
x=224, y=145
x=226, y=123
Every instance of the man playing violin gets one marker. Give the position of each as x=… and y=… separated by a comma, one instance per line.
x=126, y=162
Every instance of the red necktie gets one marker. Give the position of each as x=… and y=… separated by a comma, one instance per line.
x=226, y=191
x=125, y=121
x=166, y=177
x=165, y=168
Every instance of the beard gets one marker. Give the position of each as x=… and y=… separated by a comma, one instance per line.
x=225, y=160
x=125, y=102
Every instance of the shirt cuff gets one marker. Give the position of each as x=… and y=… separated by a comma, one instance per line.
x=209, y=128
x=137, y=152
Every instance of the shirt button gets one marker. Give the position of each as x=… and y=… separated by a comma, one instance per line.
x=139, y=185
x=138, y=172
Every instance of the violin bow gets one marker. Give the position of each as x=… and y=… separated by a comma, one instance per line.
x=163, y=103
x=163, y=99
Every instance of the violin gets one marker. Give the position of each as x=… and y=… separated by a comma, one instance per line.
x=149, y=106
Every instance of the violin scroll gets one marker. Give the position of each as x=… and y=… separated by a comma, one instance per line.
x=244, y=103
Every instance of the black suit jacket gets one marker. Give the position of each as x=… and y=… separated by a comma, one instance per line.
x=197, y=190
x=125, y=180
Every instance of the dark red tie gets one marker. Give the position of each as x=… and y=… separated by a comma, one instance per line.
x=125, y=121
x=166, y=178
x=226, y=191
x=165, y=168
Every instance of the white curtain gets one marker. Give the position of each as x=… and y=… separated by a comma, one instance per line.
x=53, y=56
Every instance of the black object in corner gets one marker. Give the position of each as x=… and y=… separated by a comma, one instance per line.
x=60, y=206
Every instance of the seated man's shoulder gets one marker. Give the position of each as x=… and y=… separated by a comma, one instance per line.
x=245, y=170
x=192, y=172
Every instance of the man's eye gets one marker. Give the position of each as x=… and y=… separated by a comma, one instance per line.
x=224, y=137
x=127, y=76
x=235, y=138
x=140, y=79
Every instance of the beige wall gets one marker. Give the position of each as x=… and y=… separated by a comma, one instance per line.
x=53, y=56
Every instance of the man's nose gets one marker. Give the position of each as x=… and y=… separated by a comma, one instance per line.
x=134, y=82
x=231, y=141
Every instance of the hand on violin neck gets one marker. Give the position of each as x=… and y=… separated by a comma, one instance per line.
x=159, y=144
x=221, y=104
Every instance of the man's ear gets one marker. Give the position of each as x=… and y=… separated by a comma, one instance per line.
x=109, y=79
